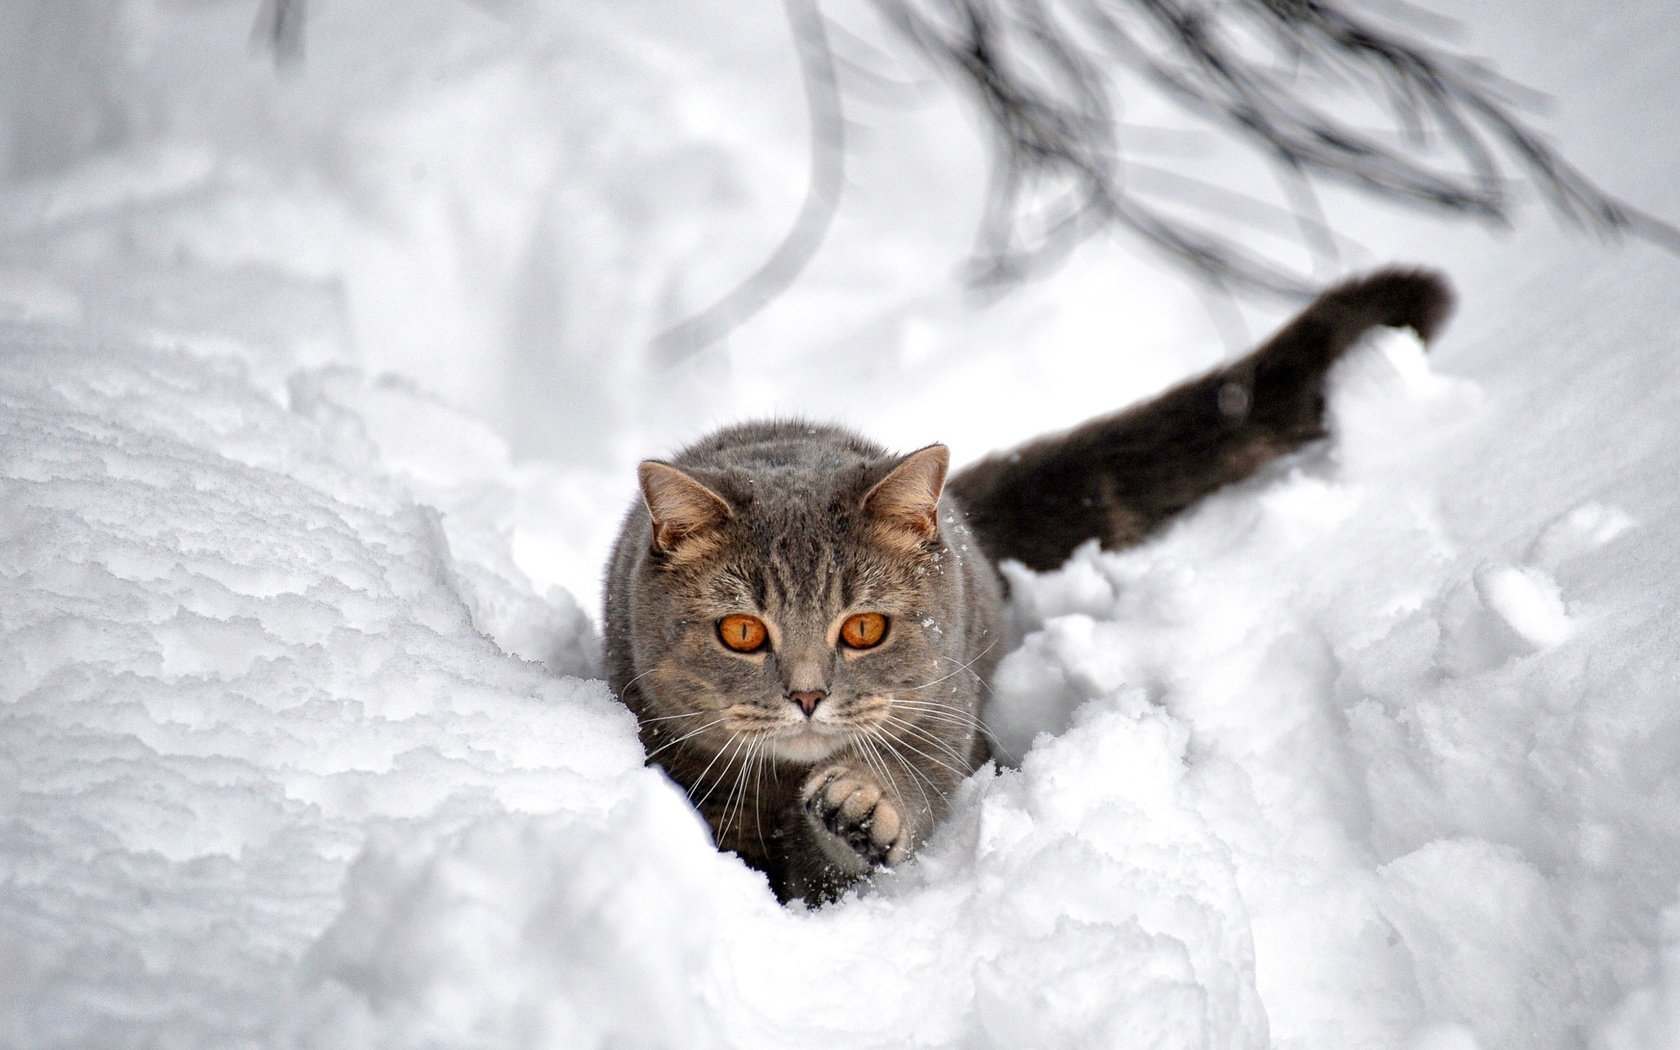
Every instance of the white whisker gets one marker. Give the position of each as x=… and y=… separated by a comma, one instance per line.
x=733, y=743
x=956, y=771
x=666, y=718
x=948, y=713
x=690, y=735
x=961, y=667
x=918, y=776
x=931, y=738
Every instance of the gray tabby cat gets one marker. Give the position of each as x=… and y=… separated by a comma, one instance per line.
x=804, y=624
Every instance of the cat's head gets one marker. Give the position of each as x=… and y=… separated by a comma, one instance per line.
x=792, y=610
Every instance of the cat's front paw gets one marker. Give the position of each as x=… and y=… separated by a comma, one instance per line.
x=852, y=806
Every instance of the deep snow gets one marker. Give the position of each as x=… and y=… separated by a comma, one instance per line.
x=319, y=398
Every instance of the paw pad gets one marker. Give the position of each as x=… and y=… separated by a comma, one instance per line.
x=853, y=807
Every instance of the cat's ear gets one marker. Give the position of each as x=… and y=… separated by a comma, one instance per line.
x=908, y=497
x=679, y=505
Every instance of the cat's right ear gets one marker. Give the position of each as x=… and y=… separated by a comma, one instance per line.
x=679, y=505
x=907, y=499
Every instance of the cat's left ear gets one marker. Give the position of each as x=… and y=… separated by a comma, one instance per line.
x=908, y=496
x=679, y=505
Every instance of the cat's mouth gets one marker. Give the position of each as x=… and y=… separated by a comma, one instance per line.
x=807, y=742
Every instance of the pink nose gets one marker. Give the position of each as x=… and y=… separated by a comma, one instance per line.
x=808, y=700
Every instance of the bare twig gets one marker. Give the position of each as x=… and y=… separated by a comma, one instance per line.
x=1043, y=74
x=1271, y=74
x=816, y=215
x=278, y=29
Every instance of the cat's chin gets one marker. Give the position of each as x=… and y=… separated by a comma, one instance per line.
x=805, y=745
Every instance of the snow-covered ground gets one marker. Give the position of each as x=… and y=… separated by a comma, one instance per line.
x=319, y=396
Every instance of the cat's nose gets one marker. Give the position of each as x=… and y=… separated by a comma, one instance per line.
x=807, y=699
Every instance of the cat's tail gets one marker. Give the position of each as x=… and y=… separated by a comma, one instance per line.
x=1118, y=477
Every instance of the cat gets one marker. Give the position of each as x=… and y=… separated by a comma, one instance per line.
x=804, y=624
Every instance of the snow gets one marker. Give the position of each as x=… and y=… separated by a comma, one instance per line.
x=320, y=391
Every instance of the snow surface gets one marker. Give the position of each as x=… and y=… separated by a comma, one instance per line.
x=319, y=394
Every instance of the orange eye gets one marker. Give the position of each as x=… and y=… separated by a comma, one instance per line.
x=864, y=631
x=742, y=633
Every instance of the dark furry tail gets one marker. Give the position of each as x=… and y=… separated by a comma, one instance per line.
x=1119, y=477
